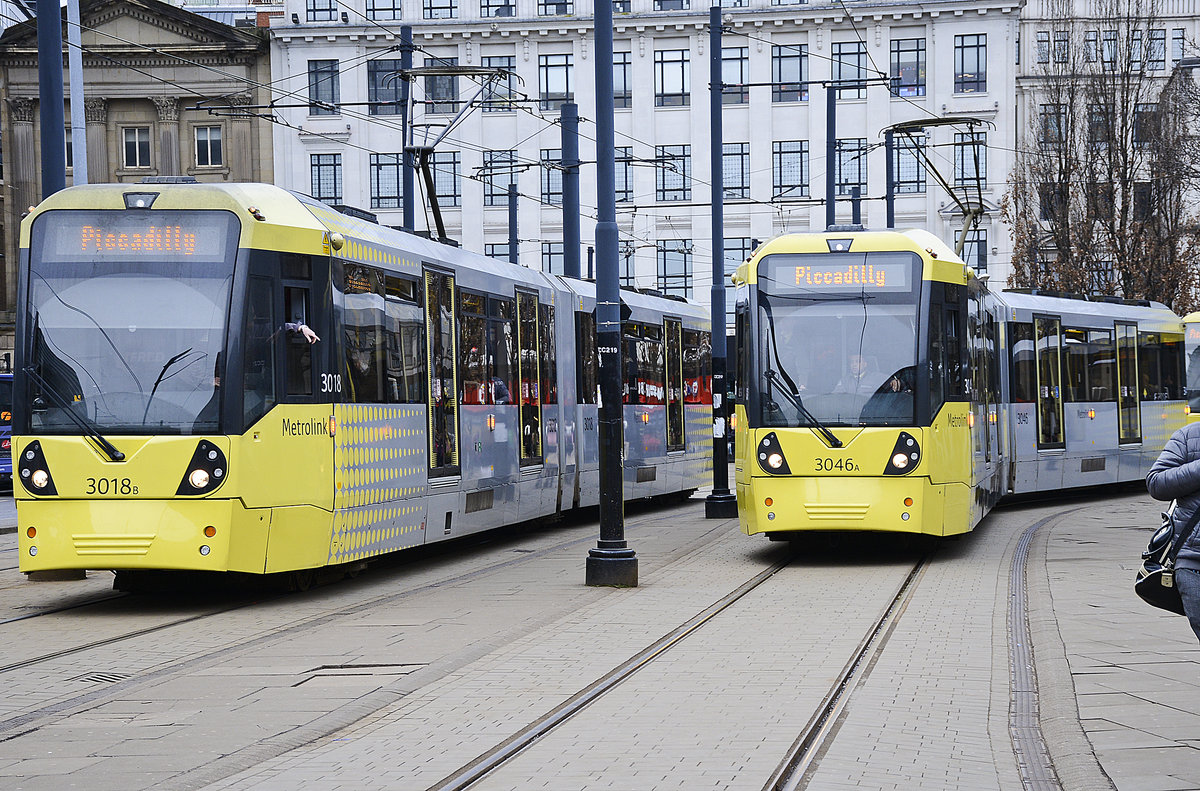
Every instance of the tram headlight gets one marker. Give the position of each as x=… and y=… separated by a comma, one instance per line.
x=33, y=470
x=906, y=455
x=770, y=456
x=206, y=471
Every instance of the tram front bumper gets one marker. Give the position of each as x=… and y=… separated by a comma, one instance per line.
x=141, y=534
x=770, y=504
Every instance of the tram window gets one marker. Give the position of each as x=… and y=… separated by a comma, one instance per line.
x=631, y=338
x=1024, y=371
x=472, y=346
x=587, y=375
x=691, y=367
x=654, y=364
x=527, y=345
x=742, y=339
x=502, y=359
x=363, y=319
x=1075, y=384
x=442, y=404
x=404, y=338
x=549, y=354
x=954, y=327
x=1102, y=366
x=258, y=376
x=1159, y=366
x=299, y=350
x=295, y=267
x=1049, y=371
x=673, y=349
x=1172, y=365
x=706, y=375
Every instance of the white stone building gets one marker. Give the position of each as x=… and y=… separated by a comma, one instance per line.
x=952, y=57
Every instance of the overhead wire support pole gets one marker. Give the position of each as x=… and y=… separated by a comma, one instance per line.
x=720, y=503
x=79, y=162
x=569, y=115
x=611, y=562
x=50, y=97
x=409, y=171
x=830, y=153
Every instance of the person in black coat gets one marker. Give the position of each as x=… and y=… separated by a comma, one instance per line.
x=1176, y=476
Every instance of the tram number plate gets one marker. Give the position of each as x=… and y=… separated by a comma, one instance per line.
x=840, y=465
x=110, y=486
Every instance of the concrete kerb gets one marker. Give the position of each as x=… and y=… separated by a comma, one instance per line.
x=1074, y=758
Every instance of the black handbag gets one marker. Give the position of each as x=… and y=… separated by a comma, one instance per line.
x=1155, y=582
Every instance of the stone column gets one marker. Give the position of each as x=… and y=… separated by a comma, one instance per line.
x=168, y=135
x=21, y=170
x=239, y=148
x=96, y=113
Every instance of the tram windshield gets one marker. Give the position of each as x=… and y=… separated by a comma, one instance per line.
x=837, y=339
x=1191, y=345
x=126, y=318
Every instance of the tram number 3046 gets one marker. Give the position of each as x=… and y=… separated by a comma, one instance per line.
x=111, y=486
x=841, y=465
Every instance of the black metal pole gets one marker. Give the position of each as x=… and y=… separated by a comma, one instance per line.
x=50, y=97
x=721, y=503
x=569, y=115
x=611, y=561
x=855, y=206
x=409, y=171
x=889, y=147
x=513, y=247
x=591, y=262
x=830, y=153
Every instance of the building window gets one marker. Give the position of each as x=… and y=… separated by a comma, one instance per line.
x=1098, y=126
x=789, y=167
x=553, y=258
x=441, y=90
x=554, y=81
x=624, y=173
x=383, y=10
x=675, y=267
x=497, y=8
x=1043, y=46
x=1177, y=39
x=622, y=80
x=735, y=161
x=1108, y=49
x=447, y=179
x=908, y=165
x=499, y=170
x=1143, y=123
x=673, y=166
x=908, y=67
x=552, y=176
x=137, y=146
x=1091, y=46
x=737, y=250
x=1051, y=121
x=320, y=10
x=385, y=180
x=208, y=147
x=1062, y=46
x=627, y=263
x=440, y=9
x=323, y=93
x=970, y=159
x=975, y=250
x=851, y=165
x=789, y=73
x=850, y=69
x=1156, y=59
x=671, y=78
x=555, y=8
x=498, y=96
x=970, y=63
x=672, y=5
x=327, y=177
x=383, y=87
x=621, y=6
x=496, y=251
x=735, y=74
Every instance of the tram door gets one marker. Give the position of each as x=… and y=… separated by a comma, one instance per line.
x=1129, y=417
x=442, y=393
x=1049, y=382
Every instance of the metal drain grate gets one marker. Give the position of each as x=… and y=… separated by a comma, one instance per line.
x=101, y=678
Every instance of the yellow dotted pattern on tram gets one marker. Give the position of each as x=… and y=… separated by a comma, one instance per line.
x=380, y=475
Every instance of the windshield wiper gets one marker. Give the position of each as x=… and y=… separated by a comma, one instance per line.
x=161, y=375
x=89, y=428
x=804, y=413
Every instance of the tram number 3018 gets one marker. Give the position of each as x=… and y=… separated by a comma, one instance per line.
x=111, y=486
x=842, y=465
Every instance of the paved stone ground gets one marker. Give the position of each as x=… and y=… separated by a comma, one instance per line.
x=1117, y=680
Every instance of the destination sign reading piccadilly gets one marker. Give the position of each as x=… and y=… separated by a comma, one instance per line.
x=81, y=236
x=841, y=272
x=169, y=239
